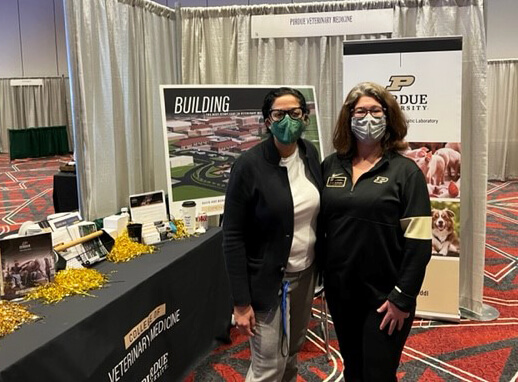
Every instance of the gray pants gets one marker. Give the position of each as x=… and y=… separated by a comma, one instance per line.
x=274, y=355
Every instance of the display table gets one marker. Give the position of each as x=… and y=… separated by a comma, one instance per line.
x=158, y=317
x=37, y=142
x=64, y=192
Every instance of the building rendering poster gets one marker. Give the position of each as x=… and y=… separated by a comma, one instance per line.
x=205, y=129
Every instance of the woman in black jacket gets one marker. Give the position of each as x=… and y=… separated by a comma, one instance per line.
x=269, y=228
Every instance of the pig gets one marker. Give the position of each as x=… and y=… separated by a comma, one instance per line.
x=433, y=167
x=453, y=145
x=451, y=161
x=416, y=153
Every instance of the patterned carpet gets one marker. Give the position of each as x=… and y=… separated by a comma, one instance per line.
x=435, y=351
x=26, y=190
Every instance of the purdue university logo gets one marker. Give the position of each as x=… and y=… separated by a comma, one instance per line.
x=408, y=102
x=398, y=82
x=380, y=179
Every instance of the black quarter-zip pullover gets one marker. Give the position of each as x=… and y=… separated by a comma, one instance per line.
x=378, y=232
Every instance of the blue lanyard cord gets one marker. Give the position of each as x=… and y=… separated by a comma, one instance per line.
x=285, y=287
x=284, y=299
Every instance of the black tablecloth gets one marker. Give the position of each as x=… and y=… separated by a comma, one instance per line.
x=160, y=314
x=64, y=193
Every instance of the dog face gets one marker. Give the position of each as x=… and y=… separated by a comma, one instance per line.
x=442, y=220
x=444, y=238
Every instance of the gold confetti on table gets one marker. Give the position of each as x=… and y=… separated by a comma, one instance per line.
x=181, y=231
x=12, y=316
x=126, y=249
x=69, y=282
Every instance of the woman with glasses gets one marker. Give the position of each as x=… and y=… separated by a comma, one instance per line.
x=377, y=221
x=269, y=236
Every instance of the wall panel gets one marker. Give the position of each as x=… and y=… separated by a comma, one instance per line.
x=257, y=2
x=42, y=43
x=10, y=55
x=502, y=29
x=62, y=65
x=219, y=3
x=39, y=52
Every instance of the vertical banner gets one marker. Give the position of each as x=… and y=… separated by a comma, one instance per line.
x=206, y=128
x=425, y=76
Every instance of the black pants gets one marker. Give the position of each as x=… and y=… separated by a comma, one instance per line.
x=369, y=354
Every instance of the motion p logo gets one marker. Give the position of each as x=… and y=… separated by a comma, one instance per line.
x=408, y=102
x=399, y=82
x=381, y=179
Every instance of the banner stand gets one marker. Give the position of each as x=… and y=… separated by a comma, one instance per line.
x=488, y=313
x=425, y=77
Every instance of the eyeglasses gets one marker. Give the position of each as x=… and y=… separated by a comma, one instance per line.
x=361, y=112
x=278, y=114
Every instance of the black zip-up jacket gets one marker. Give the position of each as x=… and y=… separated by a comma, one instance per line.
x=258, y=222
x=378, y=233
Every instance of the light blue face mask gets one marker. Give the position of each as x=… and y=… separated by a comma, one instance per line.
x=288, y=130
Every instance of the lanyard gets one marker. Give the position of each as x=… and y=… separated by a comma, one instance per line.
x=284, y=299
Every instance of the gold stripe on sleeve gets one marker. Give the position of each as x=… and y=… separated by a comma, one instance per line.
x=417, y=227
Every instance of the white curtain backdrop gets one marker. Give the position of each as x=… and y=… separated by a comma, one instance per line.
x=502, y=91
x=217, y=48
x=425, y=18
x=120, y=51
x=23, y=107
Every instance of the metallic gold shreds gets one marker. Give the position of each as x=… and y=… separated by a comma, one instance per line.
x=125, y=249
x=12, y=316
x=181, y=231
x=69, y=282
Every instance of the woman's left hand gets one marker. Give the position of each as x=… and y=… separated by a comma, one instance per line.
x=394, y=317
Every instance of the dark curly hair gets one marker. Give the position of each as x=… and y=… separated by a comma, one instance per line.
x=344, y=140
x=270, y=98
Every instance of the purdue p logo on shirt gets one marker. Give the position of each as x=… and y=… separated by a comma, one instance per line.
x=380, y=179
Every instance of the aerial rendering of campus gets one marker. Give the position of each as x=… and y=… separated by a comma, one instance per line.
x=204, y=142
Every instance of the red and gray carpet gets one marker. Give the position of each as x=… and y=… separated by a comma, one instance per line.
x=26, y=190
x=435, y=351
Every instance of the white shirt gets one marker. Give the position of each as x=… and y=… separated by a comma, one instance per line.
x=306, y=205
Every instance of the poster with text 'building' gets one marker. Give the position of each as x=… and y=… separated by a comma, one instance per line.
x=425, y=76
x=205, y=129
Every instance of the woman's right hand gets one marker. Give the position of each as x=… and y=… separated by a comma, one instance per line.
x=245, y=319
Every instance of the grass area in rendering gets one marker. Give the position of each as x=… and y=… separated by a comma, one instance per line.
x=193, y=192
x=179, y=172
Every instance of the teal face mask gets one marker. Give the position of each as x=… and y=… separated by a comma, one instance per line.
x=288, y=130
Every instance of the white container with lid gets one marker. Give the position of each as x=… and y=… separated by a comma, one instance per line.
x=189, y=215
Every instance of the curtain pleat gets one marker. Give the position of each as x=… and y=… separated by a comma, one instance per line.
x=120, y=51
x=425, y=18
x=502, y=89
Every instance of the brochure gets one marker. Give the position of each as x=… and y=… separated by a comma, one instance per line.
x=27, y=262
x=148, y=207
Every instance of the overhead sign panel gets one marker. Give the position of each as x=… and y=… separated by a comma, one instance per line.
x=322, y=24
